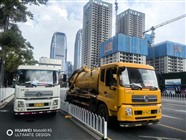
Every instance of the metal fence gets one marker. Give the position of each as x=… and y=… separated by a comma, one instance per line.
x=175, y=96
x=92, y=121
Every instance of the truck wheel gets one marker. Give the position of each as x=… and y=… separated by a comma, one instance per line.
x=103, y=112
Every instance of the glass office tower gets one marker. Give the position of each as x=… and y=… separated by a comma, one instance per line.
x=58, y=49
x=78, y=50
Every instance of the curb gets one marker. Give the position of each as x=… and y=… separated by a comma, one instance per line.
x=6, y=100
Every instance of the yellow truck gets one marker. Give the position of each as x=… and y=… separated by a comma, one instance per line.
x=128, y=92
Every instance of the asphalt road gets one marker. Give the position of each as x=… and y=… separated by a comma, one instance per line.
x=40, y=127
x=171, y=127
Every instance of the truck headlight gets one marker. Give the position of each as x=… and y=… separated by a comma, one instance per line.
x=128, y=111
x=159, y=110
x=20, y=104
x=55, y=102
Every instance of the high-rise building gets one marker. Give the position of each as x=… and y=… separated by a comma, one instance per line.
x=131, y=22
x=78, y=50
x=97, y=27
x=69, y=68
x=58, y=49
x=167, y=57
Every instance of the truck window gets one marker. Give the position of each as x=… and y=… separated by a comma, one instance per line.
x=37, y=77
x=124, y=79
x=142, y=77
x=102, y=75
x=135, y=75
x=111, y=77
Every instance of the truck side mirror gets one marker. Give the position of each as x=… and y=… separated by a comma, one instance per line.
x=121, y=69
x=64, y=77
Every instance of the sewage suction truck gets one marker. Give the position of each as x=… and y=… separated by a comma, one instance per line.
x=128, y=92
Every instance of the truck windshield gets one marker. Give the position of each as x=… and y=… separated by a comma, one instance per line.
x=141, y=78
x=37, y=77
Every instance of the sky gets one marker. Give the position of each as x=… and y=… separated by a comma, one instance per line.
x=67, y=16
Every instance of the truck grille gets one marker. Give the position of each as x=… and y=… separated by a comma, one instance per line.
x=141, y=112
x=38, y=94
x=144, y=98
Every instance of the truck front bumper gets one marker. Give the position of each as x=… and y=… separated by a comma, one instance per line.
x=136, y=115
x=25, y=107
x=138, y=123
x=35, y=112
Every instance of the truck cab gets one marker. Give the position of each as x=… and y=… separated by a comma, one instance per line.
x=37, y=90
x=130, y=93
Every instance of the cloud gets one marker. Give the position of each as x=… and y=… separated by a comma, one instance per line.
x=46, y=17
x=160, y=11
x=47, y=20
x=67, y=17
x=58, y=11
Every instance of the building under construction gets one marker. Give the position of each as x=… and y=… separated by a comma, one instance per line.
x=124, y=48
x=167, y=57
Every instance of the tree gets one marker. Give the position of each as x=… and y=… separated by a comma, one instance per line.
x=15, y=11
x=15, y=49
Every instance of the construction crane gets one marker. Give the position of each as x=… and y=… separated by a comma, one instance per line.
x=160, y=25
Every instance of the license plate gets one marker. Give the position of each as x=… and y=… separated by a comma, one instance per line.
x=38, y=104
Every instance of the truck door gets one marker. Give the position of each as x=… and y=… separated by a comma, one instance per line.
x=110, y=87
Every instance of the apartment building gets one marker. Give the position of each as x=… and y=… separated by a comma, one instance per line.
x=131, y=22
x=167, y=57
x=97, y=27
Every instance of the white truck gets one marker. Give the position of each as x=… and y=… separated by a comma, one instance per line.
x=37, y=90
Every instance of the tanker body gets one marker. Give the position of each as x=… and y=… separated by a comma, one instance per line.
x=127, y=92
x=88, y=80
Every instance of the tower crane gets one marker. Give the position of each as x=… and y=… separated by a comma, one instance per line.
x=160, y=25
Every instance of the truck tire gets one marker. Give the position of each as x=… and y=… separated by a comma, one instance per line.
x=103, y=111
